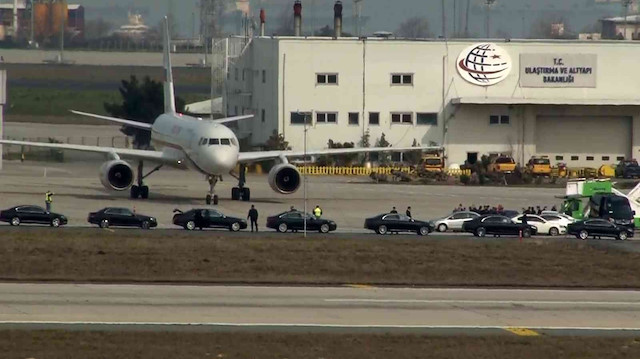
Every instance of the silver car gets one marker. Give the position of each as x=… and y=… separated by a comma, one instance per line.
x=453, y=222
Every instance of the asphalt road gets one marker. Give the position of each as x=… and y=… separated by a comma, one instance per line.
x=355, y=308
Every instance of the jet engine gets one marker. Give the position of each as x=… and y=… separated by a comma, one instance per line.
x=284, y=178
x=116, y=175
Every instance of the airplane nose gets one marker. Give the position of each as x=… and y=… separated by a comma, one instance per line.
x=225, y=161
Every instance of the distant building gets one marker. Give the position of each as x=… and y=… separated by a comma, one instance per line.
x=621, y=28
x=135, y=29
x=47, y=19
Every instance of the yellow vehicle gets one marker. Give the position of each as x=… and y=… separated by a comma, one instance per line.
x=539, y=166
x=433, y=162
x=502, y=163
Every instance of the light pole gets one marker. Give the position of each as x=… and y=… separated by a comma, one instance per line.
x=625, y=4
x=304, y=178
x=489, y=4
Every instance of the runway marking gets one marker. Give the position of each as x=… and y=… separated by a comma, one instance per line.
x=523, y=332
x=453, y=301
x=359, y=286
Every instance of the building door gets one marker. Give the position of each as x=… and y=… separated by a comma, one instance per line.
x=472, y=157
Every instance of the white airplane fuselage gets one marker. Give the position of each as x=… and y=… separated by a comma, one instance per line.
x=203, y=145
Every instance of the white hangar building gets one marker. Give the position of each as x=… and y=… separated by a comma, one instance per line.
x=576, y=102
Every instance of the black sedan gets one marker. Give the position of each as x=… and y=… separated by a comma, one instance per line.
x=497, y=225
x=122, y=217
x=32, y=214
x=294, y=221
x=599, y=228
x=210, y=219
x=395, y=222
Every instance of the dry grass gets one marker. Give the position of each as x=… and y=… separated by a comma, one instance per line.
x=220, y=257
x=61, y=344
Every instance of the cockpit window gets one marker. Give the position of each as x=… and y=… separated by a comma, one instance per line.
x=214, y=141
x=234, y=142
x=203, y=141
x=225, y=141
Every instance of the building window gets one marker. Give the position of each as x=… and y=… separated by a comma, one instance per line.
x=263, y=115
x=559, y=158
x=243, y=73
x=402, y=79
x=354, y=118
x=499, y=120
x=235, y=110
x=299, y=118
x=326, y=117
x=374, y=118
x=327, y=79
x=575, y=158
x=430, y=119
x=236, y=74
x=404, y=118
x=264, y=76
x=620, y=158
x=605, y=158
x=589, y=158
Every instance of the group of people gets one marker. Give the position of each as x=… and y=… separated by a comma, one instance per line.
x=538, y=210
x=408, y=212
x=486, y=209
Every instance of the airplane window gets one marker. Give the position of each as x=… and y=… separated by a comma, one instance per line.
x=225, y=141
x=202, y=141
x=214, y=141
x=234, y=142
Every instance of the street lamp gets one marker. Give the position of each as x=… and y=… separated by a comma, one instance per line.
x=304, y=174
x=489, y=4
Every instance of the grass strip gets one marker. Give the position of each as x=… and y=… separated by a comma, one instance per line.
x=75, y=254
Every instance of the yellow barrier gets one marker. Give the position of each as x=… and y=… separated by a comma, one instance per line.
x=365, y=171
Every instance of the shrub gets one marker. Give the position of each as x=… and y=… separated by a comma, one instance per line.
x=465, y=179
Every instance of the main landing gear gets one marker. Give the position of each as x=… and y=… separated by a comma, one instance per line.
x=139, y=190
x=241, y=193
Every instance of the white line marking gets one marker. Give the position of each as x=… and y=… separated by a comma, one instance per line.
x=316, y=325
x=453, y=301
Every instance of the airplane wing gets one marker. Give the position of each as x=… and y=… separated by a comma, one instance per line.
x=136, y=124
x=232, y=119
x=155, y=156
x=266, y=155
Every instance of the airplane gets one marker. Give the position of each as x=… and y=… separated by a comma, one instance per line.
x=206, y=146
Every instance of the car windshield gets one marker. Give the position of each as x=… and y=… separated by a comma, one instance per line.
x=541, y=161
x=620, y=207
x=503, y=160
x=433, y=161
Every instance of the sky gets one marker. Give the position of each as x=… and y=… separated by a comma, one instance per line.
x=513, y=17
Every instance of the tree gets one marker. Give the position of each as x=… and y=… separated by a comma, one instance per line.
x=414, y=28
x=142, y=102
x=413, y=157
x=327, y=31
x=276, y=142
x=383, y=157
x=338, y=160
x=96, y=29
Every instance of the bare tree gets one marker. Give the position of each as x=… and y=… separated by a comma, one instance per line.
x=414, y=28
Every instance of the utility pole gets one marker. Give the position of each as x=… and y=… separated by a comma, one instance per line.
x=626, y=4
x=489, y=4
x=444, y=20
x=455, y=3
x=466, y=19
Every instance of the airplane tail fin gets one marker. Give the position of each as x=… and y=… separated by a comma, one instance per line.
x=169, y=94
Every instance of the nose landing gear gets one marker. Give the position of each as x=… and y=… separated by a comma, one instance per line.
x=211, y=196
x=241, y=193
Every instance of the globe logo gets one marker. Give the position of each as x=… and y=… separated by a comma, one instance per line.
x=484, y=64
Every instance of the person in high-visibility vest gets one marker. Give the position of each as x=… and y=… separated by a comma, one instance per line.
x=317, y=212
x=48, y=199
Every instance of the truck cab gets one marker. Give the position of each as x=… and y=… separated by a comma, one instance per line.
x=539, y=166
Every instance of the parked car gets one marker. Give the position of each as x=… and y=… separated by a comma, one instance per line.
x=557, y=217
x=628, y=169
x=539, y=166
x=32, y=214
x=395, y=222
x=211, y=218
x=122, y=217
x=504, y=164
x=543, y=226
x=453, y=222
x=497, y=225
x=294, y=221
x=596, y=227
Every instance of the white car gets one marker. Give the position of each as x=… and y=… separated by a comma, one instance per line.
x=552, y=228
x=454, y=221
x=558, y=217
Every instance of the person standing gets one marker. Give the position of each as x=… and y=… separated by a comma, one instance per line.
x=393, y=210
x=253, y=217
x=199, y=219
x=48, y=200
x=409, y=212
x=317, y=212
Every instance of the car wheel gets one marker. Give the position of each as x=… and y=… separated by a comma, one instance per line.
x=481, y=232
x=554, y=231
x=145, y=225
x=15, y=221
x=324, y=228
x=55, y=223
x=104, y=223
x=190, y=226
x=583, y=234
x=234, y=227
x=442, y=227
x=382, y=229
x=423, y=231
x=526, y=233
x=282, y=227
x=622, y=236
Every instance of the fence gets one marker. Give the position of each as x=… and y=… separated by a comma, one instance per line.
x=364, y=171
